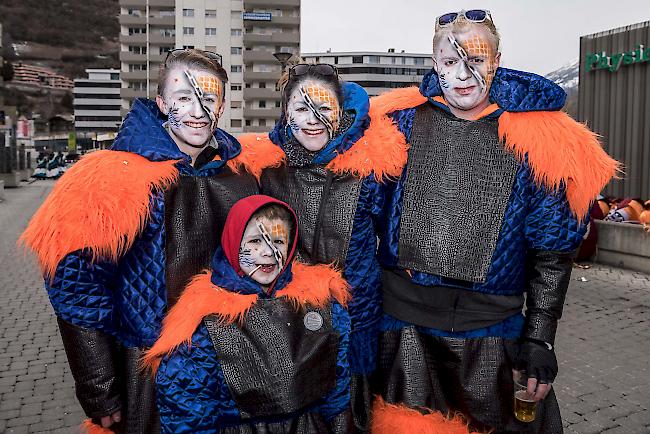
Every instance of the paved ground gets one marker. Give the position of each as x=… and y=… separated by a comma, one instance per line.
x=603, y=343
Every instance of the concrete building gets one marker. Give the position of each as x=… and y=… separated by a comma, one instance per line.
x=39, y=77
x=147, y=33
x=614, y=101
x=97, y=102
x=245, y=33
x=377, y=72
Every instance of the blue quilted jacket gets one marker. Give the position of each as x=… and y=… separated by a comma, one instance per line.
x=193, y=395
x=127, y=299
x=535, y=217
x=361, y=268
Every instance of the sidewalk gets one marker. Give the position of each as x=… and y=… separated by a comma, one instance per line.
x=603, y=343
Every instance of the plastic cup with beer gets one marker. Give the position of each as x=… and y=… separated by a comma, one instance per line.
x=525, y=404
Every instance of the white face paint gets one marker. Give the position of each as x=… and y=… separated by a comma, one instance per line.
x=189, y=124
x=256, y=257
x=305, y=125
x=463, y=89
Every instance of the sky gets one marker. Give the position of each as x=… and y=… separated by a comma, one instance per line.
x=536, y=35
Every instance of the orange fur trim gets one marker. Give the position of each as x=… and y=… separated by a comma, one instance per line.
x=382, y=150
x=88, y=427
x=100, y=204
x=398, y=419
x=315, y=285
x=199, y=299
x=258, y=152
x=559, y=150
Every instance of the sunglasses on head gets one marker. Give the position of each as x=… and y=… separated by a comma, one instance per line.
x=322, y=69
x=472, y=15
x=209, y=54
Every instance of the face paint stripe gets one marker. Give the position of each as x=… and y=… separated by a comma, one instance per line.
x=267, y=239
x=319, y=116
x=199, y=94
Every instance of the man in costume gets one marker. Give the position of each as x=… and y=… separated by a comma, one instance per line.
x=259, y=343
x=328, y=161
x=486, y=214
x=125, y=229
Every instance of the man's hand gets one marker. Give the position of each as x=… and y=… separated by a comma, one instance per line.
x=540, y=365
x=107, y=421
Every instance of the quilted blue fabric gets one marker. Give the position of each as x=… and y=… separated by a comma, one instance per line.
x=361, y=268
x=511, y=90
x=128, y=299
x=193, y=395
x=535, y=218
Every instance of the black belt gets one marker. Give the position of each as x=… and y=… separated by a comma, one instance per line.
x=443, y=307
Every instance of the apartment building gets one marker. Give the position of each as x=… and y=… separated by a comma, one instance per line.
x=246, y=33
x=377, y=72
x=97, y=102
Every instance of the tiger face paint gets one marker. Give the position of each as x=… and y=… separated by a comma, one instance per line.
x=466, y=63
x=313, y=113
x=193, y=103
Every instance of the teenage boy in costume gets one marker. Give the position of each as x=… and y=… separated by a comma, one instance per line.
x=486, y=214
x=259, y=343
x=124, y=229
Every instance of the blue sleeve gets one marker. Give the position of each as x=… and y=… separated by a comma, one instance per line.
x=550, y=224
x=192, y=395
x=81, y=293
x=338, y=399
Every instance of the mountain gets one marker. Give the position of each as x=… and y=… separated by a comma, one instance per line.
x=567, y=78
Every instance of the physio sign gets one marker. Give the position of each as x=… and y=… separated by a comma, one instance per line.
x=613, y=62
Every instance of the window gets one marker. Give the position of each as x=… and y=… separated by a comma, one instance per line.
x=167, y=13
x=188, y=30
x=168, y=32
x=262, y=122
x=135, y=12
x=116, y=76
x=262, y=85
x=165, y=49
x=235, y=68
x=262, y=104
x=188, y=12
x=235, y=86
x=277, y=103
x=138, y=85
x=235, y=50
x=419, y=60
x=137, y=30
x=235, y=32
x=137, y=67
x=185, y=47
x=357, y=59
x=373, y=59
x=248, y=122
x=235, y=104
x=211, y=13
x=235, y=123
x=210, y=31
x=136, y=49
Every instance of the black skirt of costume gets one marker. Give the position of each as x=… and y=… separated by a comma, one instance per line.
x=472, y=376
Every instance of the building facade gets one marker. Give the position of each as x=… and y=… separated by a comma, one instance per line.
x=97, y=102
x=245, y=33
x=614, y=101
x=377, y=72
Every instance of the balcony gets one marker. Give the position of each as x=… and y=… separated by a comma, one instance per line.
x=127, y=56
x=268, y=113
x=257, y=93
x=276, y=38
x=271, y=4
x=261, y=76
x=139, y=39
x=262, y=56
x=136, y=75
x=127, y=93
x=275, y=22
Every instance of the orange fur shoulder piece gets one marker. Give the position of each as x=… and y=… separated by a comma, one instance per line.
x=258, y=152
x=315, y=285
x=382, y=150
x=559, y=150
x=399, y=419
x=100, y=204
x=199, y=299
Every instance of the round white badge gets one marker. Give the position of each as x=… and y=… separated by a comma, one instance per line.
x=313, y=321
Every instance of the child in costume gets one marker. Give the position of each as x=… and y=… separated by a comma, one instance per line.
x=259, y=343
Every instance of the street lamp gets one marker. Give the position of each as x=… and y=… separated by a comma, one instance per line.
x=283, y=58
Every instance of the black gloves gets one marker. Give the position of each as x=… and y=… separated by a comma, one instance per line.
x=537, y=359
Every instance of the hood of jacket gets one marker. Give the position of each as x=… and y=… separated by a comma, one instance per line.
x=226, y=272
x=356, y=103
x=511, y=90
x=143, y=133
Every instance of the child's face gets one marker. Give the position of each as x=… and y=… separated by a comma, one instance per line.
x=257, y=257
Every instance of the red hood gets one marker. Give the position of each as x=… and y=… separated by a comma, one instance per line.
x=238, y=218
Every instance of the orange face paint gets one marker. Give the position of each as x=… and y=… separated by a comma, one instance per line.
x=322, y=95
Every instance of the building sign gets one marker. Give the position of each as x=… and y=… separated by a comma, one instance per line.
x=257, y=16
x=613, y=62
